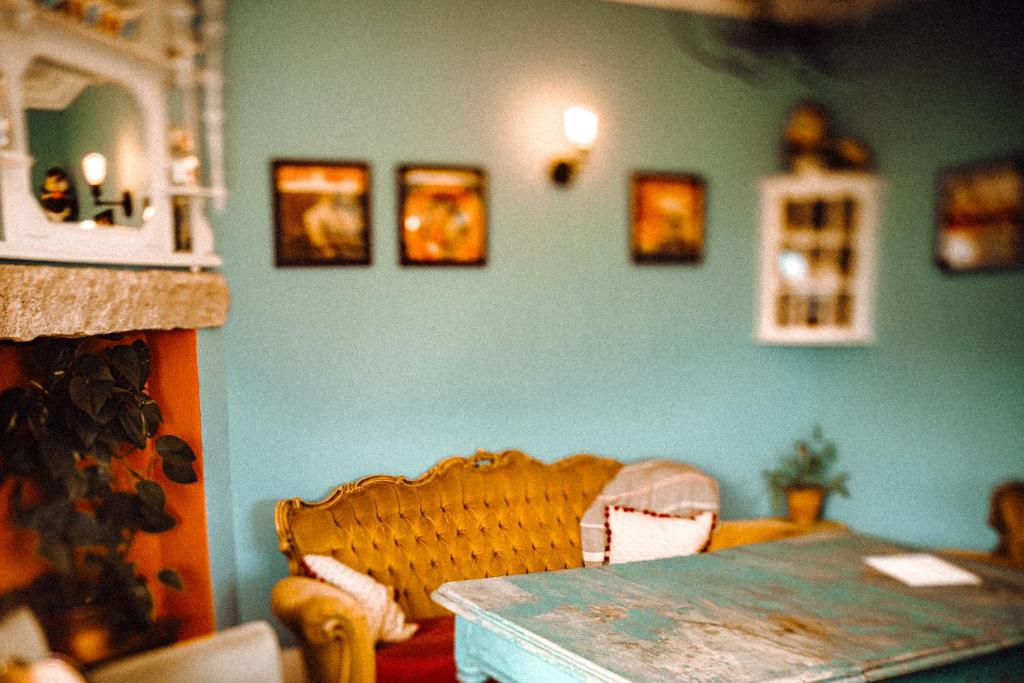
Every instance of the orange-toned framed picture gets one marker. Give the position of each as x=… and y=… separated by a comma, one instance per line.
x=442, y=214
x=321, y=212
x=667, y=217
x=981, y=217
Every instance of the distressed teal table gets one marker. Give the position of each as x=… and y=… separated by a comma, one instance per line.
x=804, y=609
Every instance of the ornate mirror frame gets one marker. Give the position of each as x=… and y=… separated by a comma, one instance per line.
x=149, y=66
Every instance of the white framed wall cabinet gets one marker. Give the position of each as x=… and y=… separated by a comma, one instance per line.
x=819, y=258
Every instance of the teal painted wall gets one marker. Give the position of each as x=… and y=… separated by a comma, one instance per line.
x=220, y=518
x=560, y=344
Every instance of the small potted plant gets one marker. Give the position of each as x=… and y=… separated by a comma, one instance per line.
x=803, y=478
x=73, y=443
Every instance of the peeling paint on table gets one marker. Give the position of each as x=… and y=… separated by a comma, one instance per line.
x=803, y=609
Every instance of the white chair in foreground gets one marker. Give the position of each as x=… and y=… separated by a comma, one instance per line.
x=247, y=654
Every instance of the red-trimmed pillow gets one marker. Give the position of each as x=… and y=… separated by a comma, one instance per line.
x=665, y=486
x=633, y=535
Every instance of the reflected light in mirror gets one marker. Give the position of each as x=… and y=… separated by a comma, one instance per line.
x=580, y=127
x=94, y=168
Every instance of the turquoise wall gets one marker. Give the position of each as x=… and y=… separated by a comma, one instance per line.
x=560, y=344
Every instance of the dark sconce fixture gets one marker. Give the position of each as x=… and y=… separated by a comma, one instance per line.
x=94, y=168
x=581, y=130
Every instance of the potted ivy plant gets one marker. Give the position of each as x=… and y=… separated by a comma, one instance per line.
x=72, y=441
x=803, y=478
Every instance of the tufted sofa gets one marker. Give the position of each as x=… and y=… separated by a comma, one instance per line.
x=492, y=514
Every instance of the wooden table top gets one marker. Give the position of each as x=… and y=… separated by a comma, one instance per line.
x=806, y=608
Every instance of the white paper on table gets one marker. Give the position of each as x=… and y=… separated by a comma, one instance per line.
x=922, y=569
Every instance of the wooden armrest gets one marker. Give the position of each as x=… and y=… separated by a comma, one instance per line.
x=733, y=532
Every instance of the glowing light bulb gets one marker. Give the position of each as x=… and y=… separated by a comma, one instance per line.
x=148, y=212
x=87, y=224
x=580, y=127
x=94, y=168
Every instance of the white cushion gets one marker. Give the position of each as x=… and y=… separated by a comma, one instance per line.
x=384, y=618
x=666, y=486
x=635, y=535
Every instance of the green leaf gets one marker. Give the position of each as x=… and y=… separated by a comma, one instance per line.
x=142, y=353
x=177, y=459
x=125, y=363
x=180, y=473
x=156, y=522
x=151, y=494
x=131, y=422
x=154, y=519
x=80, y=394
x=83, y=530
x=104, y=448
x=89, y=395
x=85, y=429
x=171, y=578
x=120, y=511
x=92, y=366
x=151, y=412
x=53, y=355
x=57, y=454
x=107, y=413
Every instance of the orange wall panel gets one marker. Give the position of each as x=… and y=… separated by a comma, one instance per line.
x=174, y=384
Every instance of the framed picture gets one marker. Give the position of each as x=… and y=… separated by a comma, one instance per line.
x=667, y=217
x=981, y=217
x=321, y=212
x=442, y=214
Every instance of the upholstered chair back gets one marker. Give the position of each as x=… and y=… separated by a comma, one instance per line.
x=466, y=518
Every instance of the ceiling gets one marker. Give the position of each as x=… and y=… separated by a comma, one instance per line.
x=787, y=11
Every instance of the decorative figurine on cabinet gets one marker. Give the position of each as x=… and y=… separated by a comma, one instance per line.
x=808, y=143
x=818, y=233
x=57, y=196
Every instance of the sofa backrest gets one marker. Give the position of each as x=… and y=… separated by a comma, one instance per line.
x=492, y=514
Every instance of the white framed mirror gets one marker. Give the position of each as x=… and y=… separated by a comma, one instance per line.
x=86, y=172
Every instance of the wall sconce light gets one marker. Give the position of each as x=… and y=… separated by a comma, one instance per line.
x=94, y=168
x=581, y=130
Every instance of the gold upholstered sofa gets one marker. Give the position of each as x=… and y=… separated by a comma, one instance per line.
x=491, y=514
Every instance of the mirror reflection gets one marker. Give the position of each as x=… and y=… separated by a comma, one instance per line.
x=86, y=136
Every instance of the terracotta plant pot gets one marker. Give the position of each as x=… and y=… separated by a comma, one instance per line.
x=92, y=633
x=803, y=504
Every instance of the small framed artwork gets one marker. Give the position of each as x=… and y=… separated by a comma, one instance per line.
x=981, y=217
x=321, y=212
x=442, y=214
x=667, y=217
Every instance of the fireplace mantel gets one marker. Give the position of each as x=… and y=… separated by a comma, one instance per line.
x=38, y=301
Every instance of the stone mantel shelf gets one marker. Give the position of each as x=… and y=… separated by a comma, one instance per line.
x=38, y=301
